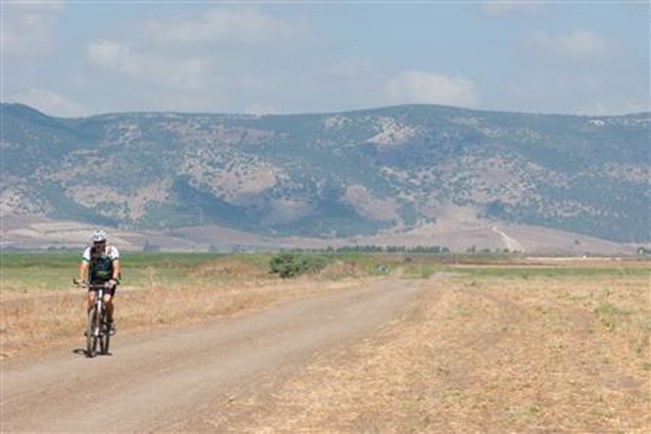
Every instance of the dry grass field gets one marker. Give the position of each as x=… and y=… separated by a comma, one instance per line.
x=483, y=354
x=173, y=292
x=531, y=346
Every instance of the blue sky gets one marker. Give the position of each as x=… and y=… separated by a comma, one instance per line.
x=79, y=58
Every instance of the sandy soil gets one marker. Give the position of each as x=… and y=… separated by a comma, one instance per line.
x=168, y=380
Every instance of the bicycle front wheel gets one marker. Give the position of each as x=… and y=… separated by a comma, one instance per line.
x=92, y=332
x=105, y=340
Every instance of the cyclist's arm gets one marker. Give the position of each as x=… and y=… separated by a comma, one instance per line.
x=84, y=265
x=116, y=270
x=83, y=271
x=114, y=255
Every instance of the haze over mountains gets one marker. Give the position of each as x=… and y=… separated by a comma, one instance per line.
x=362, y=174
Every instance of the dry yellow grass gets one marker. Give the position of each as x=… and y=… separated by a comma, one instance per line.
x=33, y=322
x=496, y=355
x=479, y=353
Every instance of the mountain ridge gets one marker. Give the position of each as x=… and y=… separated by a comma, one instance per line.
x=341, y=174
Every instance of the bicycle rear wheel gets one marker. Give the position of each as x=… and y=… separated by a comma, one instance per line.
x=92, y=332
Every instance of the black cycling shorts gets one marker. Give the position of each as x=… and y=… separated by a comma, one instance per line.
x=110, y=291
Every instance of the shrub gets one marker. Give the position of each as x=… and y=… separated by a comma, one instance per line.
x=291, y=265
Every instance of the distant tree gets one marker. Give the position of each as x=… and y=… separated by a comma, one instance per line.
x=150, y=247
x=495, y=209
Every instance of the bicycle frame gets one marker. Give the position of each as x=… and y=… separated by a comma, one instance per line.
x=97, y=331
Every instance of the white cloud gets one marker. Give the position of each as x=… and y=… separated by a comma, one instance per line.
x=187, y=73
x=203, y=61
x=261, y=109
x=108, y=54
x=223, y=26
x=29, y=29
x=349, y=68
x=50, y=103
x=579, y=44
x=429, y=88
x=586, y=92
x=578, y=71
x=263, y=84
x=210, y=100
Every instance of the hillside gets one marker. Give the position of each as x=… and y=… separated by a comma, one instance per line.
x=330, y=175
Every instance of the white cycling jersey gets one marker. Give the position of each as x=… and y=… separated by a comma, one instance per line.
x=110, y=252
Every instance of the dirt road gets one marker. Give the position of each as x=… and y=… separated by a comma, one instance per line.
x=510, y=243
x=170, y=380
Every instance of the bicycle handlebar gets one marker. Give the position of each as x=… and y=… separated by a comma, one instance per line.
x=88, y=285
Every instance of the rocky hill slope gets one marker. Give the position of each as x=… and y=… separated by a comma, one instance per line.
x=338, y=174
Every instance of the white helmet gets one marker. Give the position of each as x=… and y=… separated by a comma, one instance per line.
x=99, y=236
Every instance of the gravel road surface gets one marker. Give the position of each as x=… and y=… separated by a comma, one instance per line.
x=168, y=380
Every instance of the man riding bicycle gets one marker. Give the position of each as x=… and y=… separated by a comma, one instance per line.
x=100, y=265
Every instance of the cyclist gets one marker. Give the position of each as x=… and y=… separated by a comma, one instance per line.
x=100, y=264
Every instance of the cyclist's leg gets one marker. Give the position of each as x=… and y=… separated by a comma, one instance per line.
x=90, y=299
x=108, y=300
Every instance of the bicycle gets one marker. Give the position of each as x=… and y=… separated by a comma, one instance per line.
x=98, y=331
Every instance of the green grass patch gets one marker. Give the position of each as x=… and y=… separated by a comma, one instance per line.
x=517, y=272
x=47, y=270
x=420, y=271
x=25, y=272
x=611, y=316
x=35, y=271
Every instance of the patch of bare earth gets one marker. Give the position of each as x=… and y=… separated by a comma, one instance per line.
x=490, y=355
